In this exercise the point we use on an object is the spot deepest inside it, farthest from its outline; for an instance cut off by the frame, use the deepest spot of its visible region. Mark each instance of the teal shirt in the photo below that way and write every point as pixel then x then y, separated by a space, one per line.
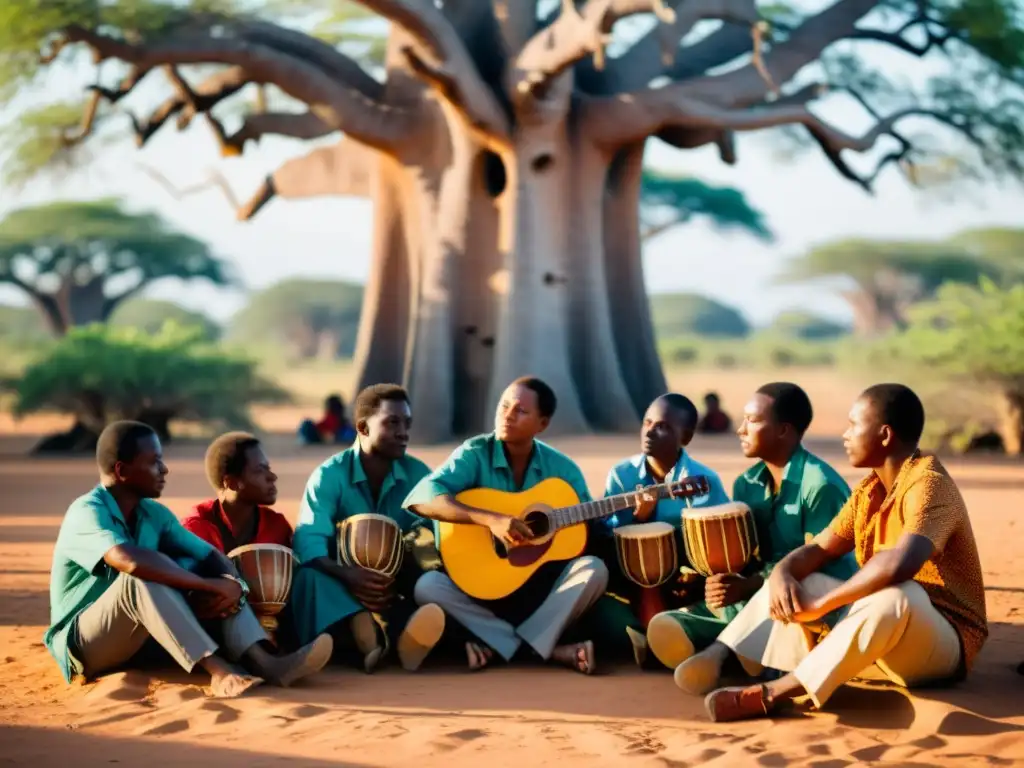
pixel 480 462
pixel 627 475
pixel 92 526
pixel 810 496
pixel 339 489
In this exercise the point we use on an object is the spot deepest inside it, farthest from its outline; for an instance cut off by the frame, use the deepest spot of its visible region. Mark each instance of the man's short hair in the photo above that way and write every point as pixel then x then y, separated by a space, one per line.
pixel 119 441
pixel 369 399
pixel 682 405
pixel 790 404
pixel 546 400
pixel 226 457
pixel 900 408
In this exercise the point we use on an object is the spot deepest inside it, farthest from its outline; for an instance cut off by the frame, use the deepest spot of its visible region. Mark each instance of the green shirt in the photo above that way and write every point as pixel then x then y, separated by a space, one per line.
pixel 480 462
pixel 339 489
pixel 811 495
pixel 92 526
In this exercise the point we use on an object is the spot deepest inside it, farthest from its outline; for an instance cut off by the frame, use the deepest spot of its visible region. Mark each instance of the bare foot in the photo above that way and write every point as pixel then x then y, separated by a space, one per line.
pixel 232 685
pixel 579 657
pixel 478 656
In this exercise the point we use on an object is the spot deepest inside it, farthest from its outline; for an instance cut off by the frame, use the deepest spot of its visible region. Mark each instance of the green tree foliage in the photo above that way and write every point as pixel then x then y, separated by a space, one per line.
pixel 308 318
pixel 806 326
pixel 690 314
pixel 974 336
pixel 101 374
pixel 888 276
pixel 150 315
pixel 668 200
pixel 77 261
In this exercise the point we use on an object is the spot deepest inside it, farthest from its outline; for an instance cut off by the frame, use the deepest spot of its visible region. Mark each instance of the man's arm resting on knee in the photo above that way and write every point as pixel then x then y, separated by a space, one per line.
pixel 884 569
pixel 150 565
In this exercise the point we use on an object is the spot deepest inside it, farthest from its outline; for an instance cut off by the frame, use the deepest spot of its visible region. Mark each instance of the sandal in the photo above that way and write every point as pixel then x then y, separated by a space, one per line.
pixel 478 656
pixel 579 657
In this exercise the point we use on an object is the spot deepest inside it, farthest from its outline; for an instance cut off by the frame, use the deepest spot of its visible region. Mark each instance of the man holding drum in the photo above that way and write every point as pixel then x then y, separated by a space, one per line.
pixel 667 429
pixel 792 494
pixel 372 477
pixel 117 582
pixel 913 614
pixel 512 459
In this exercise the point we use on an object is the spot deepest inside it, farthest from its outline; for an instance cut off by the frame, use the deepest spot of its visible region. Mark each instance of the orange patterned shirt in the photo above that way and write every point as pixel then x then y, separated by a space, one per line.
pixel 924 501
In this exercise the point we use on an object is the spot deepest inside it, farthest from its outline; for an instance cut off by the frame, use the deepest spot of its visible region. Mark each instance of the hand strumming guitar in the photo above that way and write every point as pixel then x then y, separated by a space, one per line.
pixel 510 530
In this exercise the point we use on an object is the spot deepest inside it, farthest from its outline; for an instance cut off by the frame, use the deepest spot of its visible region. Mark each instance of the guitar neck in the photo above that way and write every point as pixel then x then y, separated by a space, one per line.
pixel 598 508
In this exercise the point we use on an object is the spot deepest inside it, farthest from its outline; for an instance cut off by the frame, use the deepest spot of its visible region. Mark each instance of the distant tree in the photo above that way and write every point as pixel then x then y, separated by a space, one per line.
pixel 150 315
pixel 889 276
pixel 77 261
pixel 310 318
pixel 686 314
pixel 973 335
pixel 807 326
pixel 668 200
pixel 99 374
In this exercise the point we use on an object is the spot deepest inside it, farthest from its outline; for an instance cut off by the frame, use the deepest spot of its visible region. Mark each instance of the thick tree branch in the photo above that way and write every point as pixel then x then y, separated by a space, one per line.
pixel 255 126
pixel 341 107
pixel 574 36
pixel 445 60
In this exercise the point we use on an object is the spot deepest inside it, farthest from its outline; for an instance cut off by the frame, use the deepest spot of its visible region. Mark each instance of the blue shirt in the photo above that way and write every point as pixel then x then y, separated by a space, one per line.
pixel 92 526
pixel 627 475
pixel 339 489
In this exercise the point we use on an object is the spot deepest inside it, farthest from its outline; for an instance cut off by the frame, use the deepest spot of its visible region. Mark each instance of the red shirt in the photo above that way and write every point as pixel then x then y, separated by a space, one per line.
pixel 272 527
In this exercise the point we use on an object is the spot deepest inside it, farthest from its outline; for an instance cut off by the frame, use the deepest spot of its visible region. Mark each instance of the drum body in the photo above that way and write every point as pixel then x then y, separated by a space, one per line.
pixel 720 539
pixel 267 569
pixel 371 541
pixel 646 553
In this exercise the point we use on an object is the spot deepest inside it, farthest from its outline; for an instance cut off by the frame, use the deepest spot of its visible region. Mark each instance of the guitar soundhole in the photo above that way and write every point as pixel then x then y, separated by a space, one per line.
pixel 539 523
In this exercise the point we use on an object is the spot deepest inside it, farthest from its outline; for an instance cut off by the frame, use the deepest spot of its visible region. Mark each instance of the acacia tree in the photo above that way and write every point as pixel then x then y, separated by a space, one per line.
pixel 889 276
pixel 507 152
pixel 78 262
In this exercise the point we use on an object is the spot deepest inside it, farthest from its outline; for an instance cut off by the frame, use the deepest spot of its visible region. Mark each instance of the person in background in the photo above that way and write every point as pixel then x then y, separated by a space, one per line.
pixel 334 427
pixel 715 421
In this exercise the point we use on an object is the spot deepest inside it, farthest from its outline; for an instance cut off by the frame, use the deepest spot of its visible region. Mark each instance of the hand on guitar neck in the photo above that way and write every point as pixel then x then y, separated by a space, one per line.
pixel 646 503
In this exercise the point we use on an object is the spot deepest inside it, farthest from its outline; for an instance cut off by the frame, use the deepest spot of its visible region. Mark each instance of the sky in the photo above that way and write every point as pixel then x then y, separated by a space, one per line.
pixel 805 201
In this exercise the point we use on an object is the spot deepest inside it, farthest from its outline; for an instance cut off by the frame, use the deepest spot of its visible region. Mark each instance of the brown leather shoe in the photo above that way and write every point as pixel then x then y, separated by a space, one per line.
pixel 737 703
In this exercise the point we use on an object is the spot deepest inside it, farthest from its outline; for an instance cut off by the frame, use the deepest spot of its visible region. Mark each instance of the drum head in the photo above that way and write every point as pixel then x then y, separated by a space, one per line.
pixel 368 516
pixel 732 509
pixel 643 530
pixel 260 548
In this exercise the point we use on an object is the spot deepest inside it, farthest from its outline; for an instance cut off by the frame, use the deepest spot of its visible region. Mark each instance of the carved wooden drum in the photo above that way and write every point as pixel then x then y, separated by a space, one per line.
pixel 647 556
pixel 371 541
pixel 720 539
pixel 267 570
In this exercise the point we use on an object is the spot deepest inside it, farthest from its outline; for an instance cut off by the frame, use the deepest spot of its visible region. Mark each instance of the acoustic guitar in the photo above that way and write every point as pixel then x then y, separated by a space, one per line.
pixel 484 567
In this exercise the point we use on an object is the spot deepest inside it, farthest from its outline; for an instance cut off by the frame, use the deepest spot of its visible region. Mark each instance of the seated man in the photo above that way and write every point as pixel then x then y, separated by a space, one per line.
pixel 667 429
pixel 915 612
pixel 373 476
pixel 334 427
pixel 115 583
pixel 715 421
pixel 512 459
pixel 240 474
pixel 792 494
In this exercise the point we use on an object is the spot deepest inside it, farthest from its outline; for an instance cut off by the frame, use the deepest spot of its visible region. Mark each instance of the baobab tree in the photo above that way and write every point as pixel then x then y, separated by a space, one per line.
pixel 505 149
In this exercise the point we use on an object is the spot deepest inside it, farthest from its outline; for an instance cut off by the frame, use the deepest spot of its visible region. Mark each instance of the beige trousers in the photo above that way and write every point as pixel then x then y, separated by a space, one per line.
pixel 895 634
pixel 114 628
pixel 582 582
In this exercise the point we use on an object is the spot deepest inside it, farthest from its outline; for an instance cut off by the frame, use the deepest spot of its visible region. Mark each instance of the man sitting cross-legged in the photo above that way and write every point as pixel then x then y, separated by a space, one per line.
pixel 914 612
pixel 512 459
pixel 115 582
pixel 373 476
pixel 793 495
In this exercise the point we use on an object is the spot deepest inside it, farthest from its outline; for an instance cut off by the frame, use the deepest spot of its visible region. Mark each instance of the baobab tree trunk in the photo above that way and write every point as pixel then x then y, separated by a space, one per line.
pixel 1011 421
pixel 607 402
pixel 627 295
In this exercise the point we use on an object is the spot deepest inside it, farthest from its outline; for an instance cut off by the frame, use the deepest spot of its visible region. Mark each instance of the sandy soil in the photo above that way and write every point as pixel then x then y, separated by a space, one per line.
pixel 445 716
